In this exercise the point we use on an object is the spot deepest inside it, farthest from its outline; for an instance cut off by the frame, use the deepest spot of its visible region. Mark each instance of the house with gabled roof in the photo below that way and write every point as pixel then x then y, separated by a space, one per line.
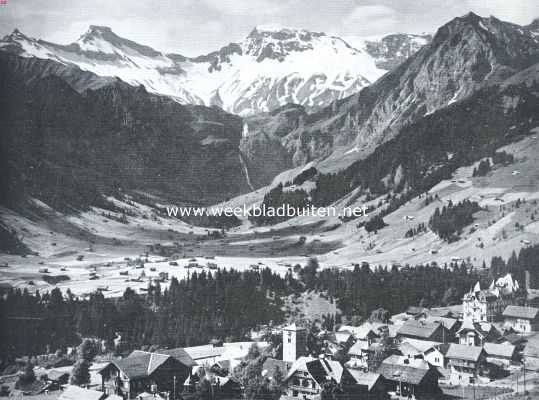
pixel 373 384
pixel 307 377
pixel 432 352
pixel 144 371
pixel 409 377
pixel 521 319
pixel 477 333
pixel 452 324
pixel 423 330
pixel 361 355
pixel 465 362
pixel 502 354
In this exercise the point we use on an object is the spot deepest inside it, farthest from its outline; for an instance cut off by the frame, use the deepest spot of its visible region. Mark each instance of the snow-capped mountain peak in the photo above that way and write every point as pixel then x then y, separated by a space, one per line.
pixel 102 39
pixel 271 67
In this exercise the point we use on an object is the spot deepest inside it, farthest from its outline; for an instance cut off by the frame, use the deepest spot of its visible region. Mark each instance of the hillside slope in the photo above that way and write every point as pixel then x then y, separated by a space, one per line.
pixel 466 54
pixel 69 148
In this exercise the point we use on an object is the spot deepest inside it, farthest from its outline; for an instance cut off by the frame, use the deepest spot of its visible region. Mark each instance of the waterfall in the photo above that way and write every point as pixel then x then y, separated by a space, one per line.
pixel 246 172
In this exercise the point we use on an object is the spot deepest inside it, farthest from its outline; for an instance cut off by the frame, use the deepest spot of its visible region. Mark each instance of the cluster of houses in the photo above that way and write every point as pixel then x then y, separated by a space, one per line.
pixel 415 352
pixel 408 356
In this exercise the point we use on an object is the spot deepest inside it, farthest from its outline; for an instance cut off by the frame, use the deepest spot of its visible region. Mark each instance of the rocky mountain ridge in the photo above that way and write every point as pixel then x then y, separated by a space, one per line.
pixel 268 69
pixel 465 55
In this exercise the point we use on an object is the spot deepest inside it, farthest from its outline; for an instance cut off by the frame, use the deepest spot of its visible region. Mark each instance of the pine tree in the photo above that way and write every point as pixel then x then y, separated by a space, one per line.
pixel 80 374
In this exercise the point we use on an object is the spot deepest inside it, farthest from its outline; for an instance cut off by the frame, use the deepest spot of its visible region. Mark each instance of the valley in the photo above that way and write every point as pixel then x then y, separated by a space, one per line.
pixel 109 291
pixel 110 248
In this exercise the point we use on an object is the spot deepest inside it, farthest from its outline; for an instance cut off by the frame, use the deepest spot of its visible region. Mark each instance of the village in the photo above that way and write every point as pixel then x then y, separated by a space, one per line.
pixel 485 348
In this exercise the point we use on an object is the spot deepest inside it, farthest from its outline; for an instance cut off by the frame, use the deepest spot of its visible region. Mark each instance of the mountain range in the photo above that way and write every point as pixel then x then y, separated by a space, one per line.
pixel 465 55
pixel 271 67
pixel 74 138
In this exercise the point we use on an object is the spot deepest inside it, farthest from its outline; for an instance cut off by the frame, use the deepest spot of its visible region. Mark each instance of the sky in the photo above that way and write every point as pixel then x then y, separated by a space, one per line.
pixel 194 27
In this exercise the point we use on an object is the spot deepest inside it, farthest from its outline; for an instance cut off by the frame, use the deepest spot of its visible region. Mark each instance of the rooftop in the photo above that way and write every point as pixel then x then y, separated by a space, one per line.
pixel 521 312
pixel 78 393
pixel 368 379
pixel 141 363
pixel 179 354
pixel 293 327
pixel 421 329
pixel 395 368
pixel 464 352
pixel 499 350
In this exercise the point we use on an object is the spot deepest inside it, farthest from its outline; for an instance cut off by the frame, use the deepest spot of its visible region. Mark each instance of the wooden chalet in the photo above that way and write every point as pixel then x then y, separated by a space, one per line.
pixel 146 372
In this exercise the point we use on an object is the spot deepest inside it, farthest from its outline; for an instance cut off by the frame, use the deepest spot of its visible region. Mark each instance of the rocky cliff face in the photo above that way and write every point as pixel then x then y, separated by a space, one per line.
pixel 466 54
pixel 72 148
pixel 392 50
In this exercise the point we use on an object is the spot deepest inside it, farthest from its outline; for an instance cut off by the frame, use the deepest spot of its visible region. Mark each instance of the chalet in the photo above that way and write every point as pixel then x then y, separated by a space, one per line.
pixel 361 355
pixel 144 372
pixel 488 304
pixel 451 324
pixel 435 355
pixel 521 319
pixel 432 352
pixel 78 393
pixel 308 375
pixel 477 333
pixel 465 362
pixel 410 377
pixel 373 384
pixel 179 354
pixel 500 354
pixel 57 377
pixel 206 354
pixel 423 330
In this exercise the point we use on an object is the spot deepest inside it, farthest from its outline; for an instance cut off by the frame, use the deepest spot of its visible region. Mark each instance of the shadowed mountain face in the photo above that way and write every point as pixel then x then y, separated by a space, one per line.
pixel 69 148
pixel 73 132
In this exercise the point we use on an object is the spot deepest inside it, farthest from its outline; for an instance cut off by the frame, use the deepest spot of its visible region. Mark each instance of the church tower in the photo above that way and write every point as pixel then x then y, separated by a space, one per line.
pixel 294 342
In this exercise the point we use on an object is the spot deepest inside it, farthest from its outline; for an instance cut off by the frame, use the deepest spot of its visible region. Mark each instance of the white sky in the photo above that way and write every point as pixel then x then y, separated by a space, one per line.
pixel 193 27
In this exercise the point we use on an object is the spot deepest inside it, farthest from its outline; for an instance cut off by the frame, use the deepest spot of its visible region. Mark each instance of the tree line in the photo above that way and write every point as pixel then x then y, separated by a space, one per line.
pixel 226 304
